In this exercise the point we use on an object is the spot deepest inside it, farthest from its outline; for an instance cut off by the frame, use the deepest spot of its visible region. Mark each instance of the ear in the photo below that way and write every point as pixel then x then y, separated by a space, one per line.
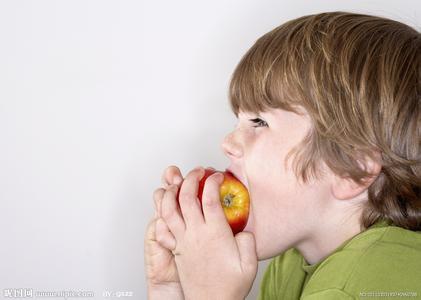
pixel 344 188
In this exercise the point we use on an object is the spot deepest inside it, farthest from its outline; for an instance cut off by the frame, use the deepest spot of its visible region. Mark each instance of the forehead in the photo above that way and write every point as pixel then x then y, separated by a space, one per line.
pixel 274 113
pixel 242 114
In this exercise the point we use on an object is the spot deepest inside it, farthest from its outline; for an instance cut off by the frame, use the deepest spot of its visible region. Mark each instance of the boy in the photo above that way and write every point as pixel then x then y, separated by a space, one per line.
pixel 328 145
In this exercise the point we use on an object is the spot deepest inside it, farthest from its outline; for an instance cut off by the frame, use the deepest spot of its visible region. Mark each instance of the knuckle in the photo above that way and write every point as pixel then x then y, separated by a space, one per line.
pixel 211 202
pixel 150 226
pixel 172 188
pixel 187 197
pixel 158 193
pixel 168 214
pixel 159 237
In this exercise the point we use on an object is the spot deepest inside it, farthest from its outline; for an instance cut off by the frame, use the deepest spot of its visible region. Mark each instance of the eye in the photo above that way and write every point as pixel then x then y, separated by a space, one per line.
pixel 259 122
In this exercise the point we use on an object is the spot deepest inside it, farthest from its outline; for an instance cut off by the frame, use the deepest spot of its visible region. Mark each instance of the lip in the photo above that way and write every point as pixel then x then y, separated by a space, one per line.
pixel 238 176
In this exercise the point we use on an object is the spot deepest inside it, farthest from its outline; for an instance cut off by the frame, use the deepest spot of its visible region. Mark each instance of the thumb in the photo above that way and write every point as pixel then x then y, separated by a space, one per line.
pixel 248 255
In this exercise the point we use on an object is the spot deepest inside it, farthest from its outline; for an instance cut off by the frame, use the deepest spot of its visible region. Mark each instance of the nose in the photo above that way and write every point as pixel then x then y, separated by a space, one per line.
pixel 232 146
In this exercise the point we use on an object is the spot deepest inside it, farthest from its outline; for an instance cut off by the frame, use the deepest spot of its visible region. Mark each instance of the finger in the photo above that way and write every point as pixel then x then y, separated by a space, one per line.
pixel 189 202
pixel 247 247
pixel 212 208
pixel 164 236
pixel 150 231
pixel 158 194
pixel 171 213
pixel 171 175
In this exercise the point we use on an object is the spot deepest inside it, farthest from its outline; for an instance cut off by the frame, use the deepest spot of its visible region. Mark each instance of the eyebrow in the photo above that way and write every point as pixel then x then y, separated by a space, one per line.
pixel 255 120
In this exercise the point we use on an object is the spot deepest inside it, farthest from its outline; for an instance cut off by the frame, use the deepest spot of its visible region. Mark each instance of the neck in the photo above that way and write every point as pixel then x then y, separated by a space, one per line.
pixel 327 238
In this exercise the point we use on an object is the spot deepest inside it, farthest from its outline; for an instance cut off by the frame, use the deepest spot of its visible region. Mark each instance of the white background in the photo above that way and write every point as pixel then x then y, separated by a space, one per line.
pixel 96 99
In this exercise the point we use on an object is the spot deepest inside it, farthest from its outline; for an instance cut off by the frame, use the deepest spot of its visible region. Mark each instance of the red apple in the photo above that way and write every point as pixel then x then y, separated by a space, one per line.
pixel 234 198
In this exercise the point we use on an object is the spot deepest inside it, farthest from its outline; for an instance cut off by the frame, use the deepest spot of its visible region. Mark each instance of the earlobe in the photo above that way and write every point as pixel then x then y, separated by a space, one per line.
pixel 344 188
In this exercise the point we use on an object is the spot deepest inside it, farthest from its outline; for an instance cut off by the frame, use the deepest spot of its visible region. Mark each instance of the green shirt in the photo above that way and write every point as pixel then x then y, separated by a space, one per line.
pixel 382 262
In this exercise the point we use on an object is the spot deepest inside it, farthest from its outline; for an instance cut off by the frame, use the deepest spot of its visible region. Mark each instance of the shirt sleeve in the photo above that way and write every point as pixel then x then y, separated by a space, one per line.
pixel 330 294
pixel 267 288
pixel 283 278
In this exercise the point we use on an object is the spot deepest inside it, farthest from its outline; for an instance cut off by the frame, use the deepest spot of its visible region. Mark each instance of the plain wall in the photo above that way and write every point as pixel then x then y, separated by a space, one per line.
pixel 96 99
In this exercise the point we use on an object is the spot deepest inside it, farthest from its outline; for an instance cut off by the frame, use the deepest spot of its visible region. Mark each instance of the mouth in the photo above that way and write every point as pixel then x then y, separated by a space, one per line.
pixel 249 226
pixel 239 176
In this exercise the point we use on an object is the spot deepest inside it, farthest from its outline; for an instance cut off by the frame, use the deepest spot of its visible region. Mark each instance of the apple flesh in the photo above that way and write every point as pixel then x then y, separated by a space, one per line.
pixel 234 199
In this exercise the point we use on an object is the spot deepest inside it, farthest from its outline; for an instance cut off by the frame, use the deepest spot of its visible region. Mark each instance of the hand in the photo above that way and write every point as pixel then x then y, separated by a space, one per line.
pixel 211 262
pixel 161 271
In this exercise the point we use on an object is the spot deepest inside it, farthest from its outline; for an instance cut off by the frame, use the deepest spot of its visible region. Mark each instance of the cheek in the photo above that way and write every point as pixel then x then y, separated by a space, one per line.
pixel 273 193
pixel 272 185
pixel 265 166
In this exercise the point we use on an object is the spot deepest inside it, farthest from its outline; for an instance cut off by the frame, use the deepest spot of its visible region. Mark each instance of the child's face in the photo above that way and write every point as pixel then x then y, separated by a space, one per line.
pixel 283 210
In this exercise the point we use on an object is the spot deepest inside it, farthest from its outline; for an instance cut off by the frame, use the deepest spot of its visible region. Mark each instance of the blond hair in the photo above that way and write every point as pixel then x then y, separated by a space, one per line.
pixel 359 79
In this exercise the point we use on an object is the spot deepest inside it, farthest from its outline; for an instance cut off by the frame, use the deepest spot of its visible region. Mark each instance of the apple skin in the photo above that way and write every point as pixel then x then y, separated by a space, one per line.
pixel 234 199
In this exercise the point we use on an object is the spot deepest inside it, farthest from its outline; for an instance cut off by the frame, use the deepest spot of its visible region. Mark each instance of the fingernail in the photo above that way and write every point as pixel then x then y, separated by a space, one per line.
pixel 219 177
pixel 201 170
pixel 178 180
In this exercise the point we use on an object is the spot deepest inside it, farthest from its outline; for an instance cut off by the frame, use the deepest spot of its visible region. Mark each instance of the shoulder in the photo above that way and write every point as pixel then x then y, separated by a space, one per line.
pixel 386 258
pixel 329 294
pixel 393 261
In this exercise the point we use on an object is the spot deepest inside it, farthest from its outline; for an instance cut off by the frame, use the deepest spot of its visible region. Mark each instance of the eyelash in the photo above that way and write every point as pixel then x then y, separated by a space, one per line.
pixel 259 122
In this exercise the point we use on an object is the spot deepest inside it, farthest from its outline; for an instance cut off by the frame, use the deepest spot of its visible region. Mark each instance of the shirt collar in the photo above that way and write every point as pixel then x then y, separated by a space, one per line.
pixel 309 269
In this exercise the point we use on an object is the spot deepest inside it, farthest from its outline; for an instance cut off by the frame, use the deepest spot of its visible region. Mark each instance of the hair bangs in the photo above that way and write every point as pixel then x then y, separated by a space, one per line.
pixel 260 80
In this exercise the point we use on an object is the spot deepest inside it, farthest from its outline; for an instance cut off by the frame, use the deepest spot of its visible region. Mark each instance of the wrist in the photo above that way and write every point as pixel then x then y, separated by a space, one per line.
pixel 202 295
pixel 206 296
pixel 166 291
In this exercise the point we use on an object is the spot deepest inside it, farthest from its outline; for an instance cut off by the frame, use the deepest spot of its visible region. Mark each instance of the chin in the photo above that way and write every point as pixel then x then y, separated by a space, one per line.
pixel 267 247
pixel 263 254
